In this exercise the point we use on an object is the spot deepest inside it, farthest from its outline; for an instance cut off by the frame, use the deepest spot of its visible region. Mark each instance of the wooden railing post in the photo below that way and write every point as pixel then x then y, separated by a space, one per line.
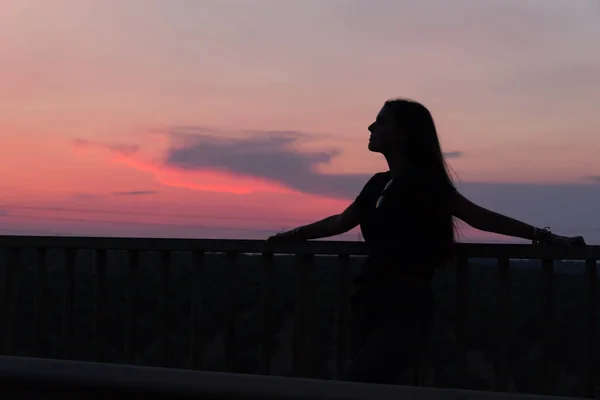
pixel 99 304
pixel 548 326
pixel 69 300
pixel 10 299
pixel 131 308
pixel 342 326
pixel 267 315
pixel 163 309
pixel 39 299
pixel 4 294
pixel 462 318
pixel 591 379
pixel 503 313
pixel 231 310
pixel 196 329
pixel 309 316
pixel 303 316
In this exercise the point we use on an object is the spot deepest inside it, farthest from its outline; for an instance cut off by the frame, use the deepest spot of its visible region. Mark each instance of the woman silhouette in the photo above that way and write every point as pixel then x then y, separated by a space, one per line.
pixel 406 218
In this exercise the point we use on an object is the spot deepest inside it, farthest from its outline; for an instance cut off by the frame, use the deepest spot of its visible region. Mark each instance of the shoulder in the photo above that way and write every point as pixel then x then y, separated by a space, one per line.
pixel 377 180
pixel 372 187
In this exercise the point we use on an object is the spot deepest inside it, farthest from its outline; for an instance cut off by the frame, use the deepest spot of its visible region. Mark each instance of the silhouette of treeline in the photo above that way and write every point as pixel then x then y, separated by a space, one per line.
pixel 525 328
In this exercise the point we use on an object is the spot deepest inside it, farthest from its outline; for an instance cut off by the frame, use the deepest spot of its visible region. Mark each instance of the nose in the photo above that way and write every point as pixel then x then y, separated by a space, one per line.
pixel 371 127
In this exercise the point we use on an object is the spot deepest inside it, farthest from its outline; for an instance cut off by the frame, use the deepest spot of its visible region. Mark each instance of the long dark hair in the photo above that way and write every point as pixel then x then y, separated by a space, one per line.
pixel 423 153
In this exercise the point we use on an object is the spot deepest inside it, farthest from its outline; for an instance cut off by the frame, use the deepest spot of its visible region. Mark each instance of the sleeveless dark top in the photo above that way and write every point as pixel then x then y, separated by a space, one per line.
pixel 409 234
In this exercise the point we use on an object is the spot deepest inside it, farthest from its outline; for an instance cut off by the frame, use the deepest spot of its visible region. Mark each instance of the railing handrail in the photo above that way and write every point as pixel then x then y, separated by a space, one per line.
pixel 316 247
pixel 21 375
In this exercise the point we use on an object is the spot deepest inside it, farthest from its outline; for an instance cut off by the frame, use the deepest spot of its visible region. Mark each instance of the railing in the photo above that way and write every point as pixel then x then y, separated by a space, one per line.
pixel 304 304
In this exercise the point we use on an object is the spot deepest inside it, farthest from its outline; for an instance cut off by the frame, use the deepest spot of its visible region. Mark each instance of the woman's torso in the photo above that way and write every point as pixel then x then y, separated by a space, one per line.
pixel 407 233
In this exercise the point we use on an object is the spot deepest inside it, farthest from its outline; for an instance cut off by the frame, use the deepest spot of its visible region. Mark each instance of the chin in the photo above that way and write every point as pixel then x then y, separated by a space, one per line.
pixel 373 147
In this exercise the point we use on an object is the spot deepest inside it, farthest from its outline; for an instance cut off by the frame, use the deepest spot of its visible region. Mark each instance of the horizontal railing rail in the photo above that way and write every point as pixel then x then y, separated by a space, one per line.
pixel 42 379
pixel 314 247
pixel 304 313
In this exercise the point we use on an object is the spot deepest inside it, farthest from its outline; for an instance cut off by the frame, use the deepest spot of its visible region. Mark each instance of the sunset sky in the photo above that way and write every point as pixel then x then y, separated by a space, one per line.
pixel 239 118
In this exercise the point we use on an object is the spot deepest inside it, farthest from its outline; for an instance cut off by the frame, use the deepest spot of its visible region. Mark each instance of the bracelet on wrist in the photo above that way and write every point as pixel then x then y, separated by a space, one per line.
pixel 296 233
pixel 540 236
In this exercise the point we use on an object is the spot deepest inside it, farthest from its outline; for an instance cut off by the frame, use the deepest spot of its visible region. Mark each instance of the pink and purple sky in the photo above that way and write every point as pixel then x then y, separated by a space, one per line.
pixel 235 119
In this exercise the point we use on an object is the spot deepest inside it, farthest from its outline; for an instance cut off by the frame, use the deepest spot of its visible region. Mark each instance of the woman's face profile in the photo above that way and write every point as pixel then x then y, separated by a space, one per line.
pixel 385 132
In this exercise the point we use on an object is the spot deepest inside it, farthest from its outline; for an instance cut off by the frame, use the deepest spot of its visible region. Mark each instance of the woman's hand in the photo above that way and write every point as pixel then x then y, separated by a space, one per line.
pixel 287 236
pixel 565 241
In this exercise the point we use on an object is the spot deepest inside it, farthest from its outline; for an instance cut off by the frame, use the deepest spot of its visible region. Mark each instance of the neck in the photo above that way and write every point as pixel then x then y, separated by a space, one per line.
pixel 396 164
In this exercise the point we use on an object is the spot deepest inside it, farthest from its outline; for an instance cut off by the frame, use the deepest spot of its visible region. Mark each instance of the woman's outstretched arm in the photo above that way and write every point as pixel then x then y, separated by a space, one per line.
pixel 489 221
pixel 330 226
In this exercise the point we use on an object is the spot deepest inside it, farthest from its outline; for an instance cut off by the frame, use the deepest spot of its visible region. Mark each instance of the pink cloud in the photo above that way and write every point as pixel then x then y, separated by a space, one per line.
pixel 199 180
